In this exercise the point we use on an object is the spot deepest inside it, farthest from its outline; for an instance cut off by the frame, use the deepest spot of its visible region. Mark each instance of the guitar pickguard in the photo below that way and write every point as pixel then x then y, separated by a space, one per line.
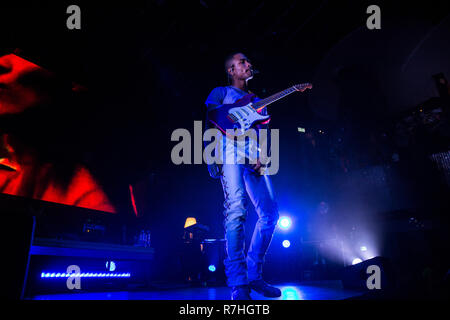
pixel 246 116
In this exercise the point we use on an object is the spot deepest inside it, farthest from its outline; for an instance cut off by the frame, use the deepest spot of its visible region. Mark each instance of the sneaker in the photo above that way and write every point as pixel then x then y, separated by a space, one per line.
pixel 241 293
pixel 265 289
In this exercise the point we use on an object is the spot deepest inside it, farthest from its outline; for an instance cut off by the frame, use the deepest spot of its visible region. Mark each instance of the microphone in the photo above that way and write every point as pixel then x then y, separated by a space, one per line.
pixel 254 71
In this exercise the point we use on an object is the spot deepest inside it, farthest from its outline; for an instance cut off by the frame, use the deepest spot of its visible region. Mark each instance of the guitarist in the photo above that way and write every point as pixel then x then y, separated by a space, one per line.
pixel 241 182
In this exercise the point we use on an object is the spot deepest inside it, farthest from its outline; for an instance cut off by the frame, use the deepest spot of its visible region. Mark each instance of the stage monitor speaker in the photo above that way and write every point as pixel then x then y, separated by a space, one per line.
pixel 375 275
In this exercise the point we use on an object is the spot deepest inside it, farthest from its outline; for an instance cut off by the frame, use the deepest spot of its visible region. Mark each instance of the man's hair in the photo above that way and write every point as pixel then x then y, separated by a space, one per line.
pixel 229 58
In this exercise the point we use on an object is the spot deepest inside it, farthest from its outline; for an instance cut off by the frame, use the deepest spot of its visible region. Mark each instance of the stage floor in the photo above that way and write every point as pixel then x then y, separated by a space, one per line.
pixel 330 290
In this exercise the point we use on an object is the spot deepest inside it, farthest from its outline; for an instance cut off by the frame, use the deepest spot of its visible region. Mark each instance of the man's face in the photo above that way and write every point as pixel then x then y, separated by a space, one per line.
pixel 240 67
pixel 23 84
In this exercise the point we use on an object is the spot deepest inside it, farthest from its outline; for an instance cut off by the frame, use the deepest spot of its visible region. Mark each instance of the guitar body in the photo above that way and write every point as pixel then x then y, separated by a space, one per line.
pixel 239 116
pixel 244 114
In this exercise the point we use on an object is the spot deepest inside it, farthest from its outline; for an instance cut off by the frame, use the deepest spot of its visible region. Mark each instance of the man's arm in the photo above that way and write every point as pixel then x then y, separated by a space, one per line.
pixel 214 101
pixel 215 98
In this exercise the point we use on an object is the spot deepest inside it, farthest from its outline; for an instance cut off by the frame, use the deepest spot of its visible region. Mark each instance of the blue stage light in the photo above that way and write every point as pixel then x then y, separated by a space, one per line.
pixel 291 293
pixel 84 275
pixel 356 261
pixel 110 265
pixel 212 268
pixel 284 223
pixel 363 248
pixel 286 243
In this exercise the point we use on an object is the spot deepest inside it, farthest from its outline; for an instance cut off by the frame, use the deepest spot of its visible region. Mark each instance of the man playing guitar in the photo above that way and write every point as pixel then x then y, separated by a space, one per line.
pixel 240 182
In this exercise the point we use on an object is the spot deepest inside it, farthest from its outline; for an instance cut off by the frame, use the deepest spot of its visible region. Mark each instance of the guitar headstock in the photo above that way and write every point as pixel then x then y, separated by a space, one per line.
pixel 302 87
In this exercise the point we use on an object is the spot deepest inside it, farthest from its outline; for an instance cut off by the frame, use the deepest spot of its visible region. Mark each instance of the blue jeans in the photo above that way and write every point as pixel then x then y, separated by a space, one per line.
pixel 238 181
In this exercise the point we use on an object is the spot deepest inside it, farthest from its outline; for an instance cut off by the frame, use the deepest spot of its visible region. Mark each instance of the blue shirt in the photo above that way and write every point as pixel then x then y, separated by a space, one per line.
pixel 242 149
pixel 223 95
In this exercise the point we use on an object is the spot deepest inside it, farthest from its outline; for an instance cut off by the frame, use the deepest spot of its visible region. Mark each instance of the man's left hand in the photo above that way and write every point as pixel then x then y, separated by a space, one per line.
pixel 257 167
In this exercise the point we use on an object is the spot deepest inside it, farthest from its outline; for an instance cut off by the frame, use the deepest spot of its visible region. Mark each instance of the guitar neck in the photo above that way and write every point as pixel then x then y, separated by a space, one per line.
pixel 261 104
